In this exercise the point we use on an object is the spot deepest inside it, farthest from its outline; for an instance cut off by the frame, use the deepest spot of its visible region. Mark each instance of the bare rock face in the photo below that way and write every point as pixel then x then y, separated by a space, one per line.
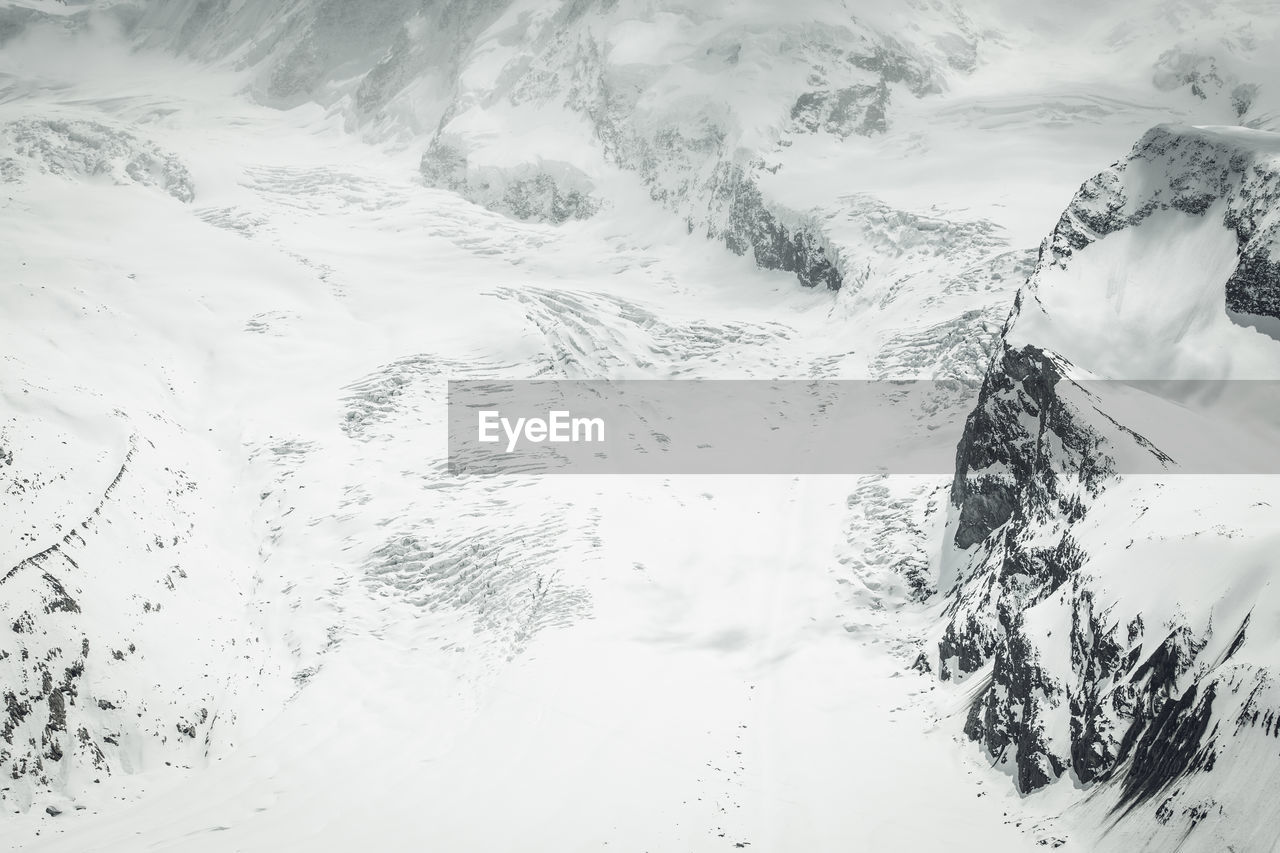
pixel 1016 442
pixel 750 226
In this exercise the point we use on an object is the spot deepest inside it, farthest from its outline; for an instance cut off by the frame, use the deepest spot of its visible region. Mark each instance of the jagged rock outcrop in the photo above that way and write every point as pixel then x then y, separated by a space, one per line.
pixel 1017 444
pixel 750 226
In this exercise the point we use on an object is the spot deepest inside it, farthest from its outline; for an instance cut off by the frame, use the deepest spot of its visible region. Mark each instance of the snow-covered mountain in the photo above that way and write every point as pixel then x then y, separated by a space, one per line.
pixel 247 244
pixel 735 115
pixel 1119 624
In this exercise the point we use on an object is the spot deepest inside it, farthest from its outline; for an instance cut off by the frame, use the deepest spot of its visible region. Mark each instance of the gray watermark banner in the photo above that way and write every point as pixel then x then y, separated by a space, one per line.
pixel 847 427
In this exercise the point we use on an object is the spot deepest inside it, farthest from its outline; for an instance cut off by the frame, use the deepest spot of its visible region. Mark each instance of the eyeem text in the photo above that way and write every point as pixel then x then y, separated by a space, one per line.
pixel 558 426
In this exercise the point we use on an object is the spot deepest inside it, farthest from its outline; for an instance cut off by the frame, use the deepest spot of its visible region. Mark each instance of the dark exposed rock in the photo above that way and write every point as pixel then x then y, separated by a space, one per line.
pixel 51 722
pixel 1254 287
pixel 1031 460
pixel 859 109
pixel 1200 75
pixel 893 65
pixel 444 166
pixel 1169 746
pixel 752 227
pixel 1097 654
pixel 1004 468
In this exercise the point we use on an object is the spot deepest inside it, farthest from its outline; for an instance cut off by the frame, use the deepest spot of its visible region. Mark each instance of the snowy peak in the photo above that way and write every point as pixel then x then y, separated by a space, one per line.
pixel 1114 620
pixel 1167 264
pixel 1190 169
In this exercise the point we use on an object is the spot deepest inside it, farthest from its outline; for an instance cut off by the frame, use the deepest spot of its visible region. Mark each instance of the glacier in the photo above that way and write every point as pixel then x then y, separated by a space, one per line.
pixel 246 606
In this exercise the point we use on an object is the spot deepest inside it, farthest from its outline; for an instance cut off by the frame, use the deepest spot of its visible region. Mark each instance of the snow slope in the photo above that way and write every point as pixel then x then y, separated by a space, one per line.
pixel 428 661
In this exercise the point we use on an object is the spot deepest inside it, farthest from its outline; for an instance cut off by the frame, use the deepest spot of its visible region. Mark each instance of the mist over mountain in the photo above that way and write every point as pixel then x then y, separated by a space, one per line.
pixel 248 606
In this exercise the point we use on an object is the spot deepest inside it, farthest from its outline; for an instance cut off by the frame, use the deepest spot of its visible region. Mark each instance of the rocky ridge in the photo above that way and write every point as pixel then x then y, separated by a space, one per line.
pixel 1077 678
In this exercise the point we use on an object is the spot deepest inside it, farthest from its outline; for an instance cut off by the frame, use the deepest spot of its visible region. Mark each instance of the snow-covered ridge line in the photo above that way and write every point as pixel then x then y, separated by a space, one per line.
pixel 573 103
pixel 41 556
pixel 1115 663
pixel 1188 169
pixel 550 114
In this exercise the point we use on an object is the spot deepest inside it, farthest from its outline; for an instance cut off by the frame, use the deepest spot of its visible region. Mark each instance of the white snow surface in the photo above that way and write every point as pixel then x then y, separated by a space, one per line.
pixel 390 656
pixel 386 656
